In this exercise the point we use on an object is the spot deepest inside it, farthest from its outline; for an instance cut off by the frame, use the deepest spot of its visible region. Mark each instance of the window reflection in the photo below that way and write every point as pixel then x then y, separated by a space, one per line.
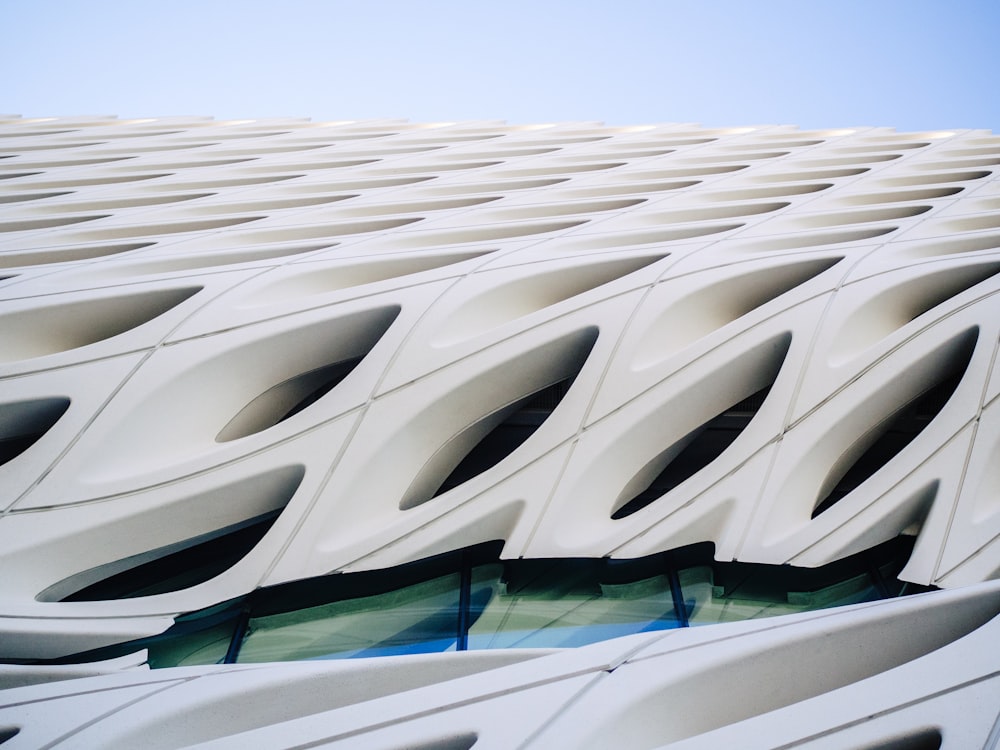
pixel 470 599
pixel 560 603
pixel 418 619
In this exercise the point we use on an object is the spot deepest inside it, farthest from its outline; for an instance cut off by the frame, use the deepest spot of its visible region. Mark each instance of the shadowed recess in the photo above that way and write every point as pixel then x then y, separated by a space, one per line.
pixel 513 401
pixel 895 306
pixel 470 600
pixel 934 179
pixel 35 224
pixel 810 174
pixel 746 381
pixel 194 560
pixel 859 216
pixel 174 571
pixel 673 174
pixel 329 279
pixel 713 213
pixel 921 739
pixel 175 264
pixel 899 196
pixel 463 741
pixel 737 157
pixel 22 197
pixel 901 146
pixel 844 161
pixel 291 396
pixel 501 186
pixel 549 210
pixel 800 240
pixel 890 435
pixel 521 296
pixel 707 445
pixel 490 233
pixel 22 423
pixel 116 203
pixel 59 327
pixel 65 254
pixel 709 308
pixel 85 181
pixel 526 417
pixel 646 237
pixel 762 193
pixel 173 227
pixel 983 161
pixel 601 191
pixel 316 231
pixel 227 182
pixel 265 205
pixel 971 244
pixel 423 206
pixel 557 169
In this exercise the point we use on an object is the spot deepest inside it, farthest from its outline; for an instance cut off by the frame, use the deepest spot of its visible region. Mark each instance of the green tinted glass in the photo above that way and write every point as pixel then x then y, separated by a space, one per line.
pixel 564 603
pixel 418 618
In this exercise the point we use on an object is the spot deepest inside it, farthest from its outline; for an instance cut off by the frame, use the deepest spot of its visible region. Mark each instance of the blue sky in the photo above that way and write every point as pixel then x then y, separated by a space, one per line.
pixel 911 64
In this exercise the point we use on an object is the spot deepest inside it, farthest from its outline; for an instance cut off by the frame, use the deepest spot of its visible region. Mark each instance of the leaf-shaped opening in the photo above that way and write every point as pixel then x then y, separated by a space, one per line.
pixel 29 225
pixel 60 327
pixel 893 307
pixel 194 560
pixel 22 423
pixel 859 216
pixel 714 213
pixel 329 279
pixel 522 296
pixel 743 385
pixel 885 440
pixel 921 739
pixel 293 395
pixel 524 417
pixel 182 569
pixel 62 255
pixel 708 309
pixel 802 240
pixel 697 450
pixel 514 401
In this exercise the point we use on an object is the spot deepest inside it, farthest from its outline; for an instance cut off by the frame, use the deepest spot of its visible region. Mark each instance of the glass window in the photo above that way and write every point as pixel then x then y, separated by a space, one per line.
pixel 208 646
pixel 470 599
pixel 731 592
pixel 561 603
pixel 198 638
pixel 420 618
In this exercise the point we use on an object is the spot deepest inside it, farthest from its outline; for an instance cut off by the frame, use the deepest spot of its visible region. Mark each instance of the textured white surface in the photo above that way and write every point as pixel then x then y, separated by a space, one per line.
pixel 169 277
pixel 911 671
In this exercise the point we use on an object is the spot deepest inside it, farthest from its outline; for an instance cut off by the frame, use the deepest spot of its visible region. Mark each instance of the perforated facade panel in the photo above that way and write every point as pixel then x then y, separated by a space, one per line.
pixel 357 345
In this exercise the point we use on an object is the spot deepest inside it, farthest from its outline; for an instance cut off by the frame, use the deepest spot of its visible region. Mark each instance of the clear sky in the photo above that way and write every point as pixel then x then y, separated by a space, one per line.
pixel 911 64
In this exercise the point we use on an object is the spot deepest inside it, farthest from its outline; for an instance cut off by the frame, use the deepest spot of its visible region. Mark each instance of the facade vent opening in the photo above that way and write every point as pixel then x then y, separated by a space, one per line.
pixel 292 395
pixel 22 423
pixel 248 509
pixel 513 401
pixel 696 428
pixel 886 439
pixel 700 450
pixel 60 327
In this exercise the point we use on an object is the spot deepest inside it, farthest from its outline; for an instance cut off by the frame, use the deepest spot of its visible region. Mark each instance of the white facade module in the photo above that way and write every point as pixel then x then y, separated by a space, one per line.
pixel 472 424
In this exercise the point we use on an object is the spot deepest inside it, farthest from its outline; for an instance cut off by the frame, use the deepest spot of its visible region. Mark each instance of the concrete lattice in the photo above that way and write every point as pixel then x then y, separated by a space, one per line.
pixel 204 324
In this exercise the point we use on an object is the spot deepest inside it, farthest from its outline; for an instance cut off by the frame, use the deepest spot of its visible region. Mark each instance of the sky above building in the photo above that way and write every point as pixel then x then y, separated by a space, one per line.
pixel 910 64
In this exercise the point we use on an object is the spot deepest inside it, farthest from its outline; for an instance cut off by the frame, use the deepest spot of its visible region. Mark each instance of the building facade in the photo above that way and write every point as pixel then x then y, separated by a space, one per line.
pixel 456 435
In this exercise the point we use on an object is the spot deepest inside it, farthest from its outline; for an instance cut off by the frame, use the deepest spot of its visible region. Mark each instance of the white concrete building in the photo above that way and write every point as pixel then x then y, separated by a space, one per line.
pixel 383 435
